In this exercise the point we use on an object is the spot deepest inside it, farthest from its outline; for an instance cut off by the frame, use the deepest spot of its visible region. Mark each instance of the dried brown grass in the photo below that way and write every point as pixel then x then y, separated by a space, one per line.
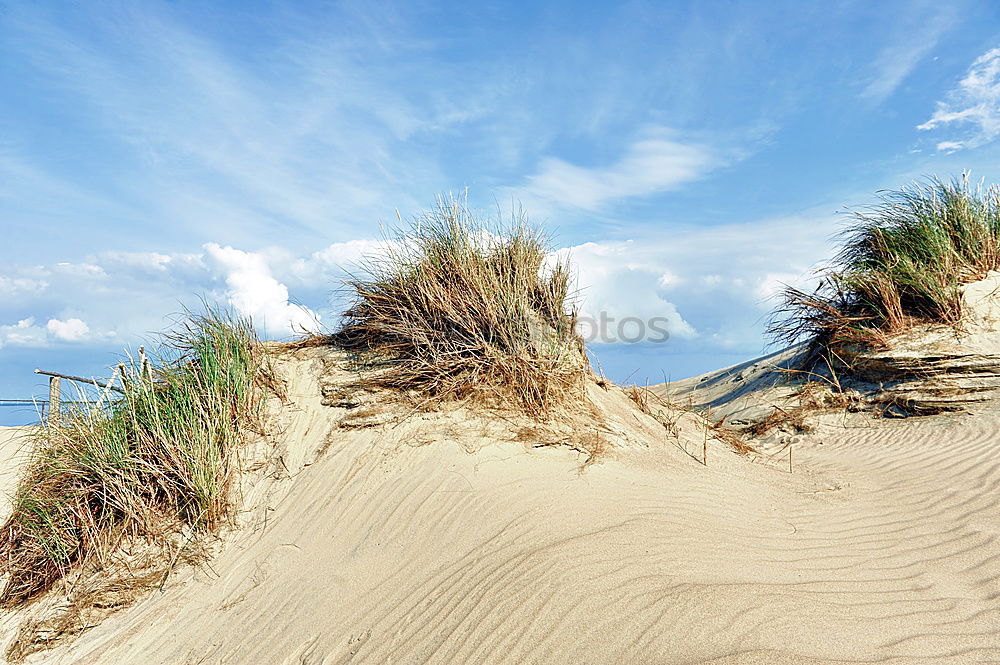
pixel 668 414
pixel 462 308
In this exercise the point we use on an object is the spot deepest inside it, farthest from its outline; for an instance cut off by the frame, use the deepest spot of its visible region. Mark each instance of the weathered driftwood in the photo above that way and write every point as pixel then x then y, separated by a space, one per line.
pixel 80 379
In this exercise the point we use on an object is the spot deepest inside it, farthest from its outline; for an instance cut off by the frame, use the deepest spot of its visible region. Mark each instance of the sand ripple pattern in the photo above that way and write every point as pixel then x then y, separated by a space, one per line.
pixel 880 547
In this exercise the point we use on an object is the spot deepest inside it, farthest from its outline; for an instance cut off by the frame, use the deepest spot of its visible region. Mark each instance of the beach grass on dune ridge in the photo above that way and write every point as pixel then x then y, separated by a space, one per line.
pixel 462 307
pixel 159 459
pixel 902 262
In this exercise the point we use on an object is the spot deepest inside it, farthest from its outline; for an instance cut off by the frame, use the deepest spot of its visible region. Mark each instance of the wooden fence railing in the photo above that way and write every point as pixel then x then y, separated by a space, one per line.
pixel 55 385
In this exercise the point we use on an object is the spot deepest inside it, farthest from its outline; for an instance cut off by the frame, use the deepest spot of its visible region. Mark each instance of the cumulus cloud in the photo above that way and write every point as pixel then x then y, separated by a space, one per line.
pixel 616 289
pixel 974 105
pixel 22 333
pixel 330 264
pixel 70 330
pixel 656 163
pixel 27 333
pixel 708 286
pixel 713 285
pixel 253 291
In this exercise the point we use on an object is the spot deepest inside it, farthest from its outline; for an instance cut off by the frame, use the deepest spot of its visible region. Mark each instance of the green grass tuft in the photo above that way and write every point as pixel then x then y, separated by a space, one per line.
pixel 903 262
pixel 159 459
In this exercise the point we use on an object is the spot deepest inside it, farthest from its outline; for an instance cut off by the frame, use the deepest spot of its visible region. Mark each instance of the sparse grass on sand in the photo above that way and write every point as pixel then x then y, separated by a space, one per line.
pixel 156 461
pixel 903 262
pixel 668 415
pixel 458 307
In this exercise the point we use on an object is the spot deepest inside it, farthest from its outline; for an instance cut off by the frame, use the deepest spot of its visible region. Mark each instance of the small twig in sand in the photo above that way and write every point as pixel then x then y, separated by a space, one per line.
pixel 704 448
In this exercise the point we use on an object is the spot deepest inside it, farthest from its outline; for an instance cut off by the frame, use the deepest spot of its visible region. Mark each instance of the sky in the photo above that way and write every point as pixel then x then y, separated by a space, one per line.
pixel 688 157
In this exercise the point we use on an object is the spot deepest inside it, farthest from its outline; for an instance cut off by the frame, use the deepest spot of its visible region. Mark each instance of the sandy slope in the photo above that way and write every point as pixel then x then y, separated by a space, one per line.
pixel 441 539
pixel 13 450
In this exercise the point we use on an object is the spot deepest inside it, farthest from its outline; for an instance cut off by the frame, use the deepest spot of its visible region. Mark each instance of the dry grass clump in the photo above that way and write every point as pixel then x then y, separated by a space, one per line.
pixel 793 420
pixel 731 438
pixel 87 602
pixel 903 262
pixel 458 307
pixel 159 460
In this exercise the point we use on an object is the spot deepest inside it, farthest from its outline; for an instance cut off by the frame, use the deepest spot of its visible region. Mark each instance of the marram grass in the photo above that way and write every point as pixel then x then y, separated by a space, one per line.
pixel 903 262
pixel 159 459
pixel 459 307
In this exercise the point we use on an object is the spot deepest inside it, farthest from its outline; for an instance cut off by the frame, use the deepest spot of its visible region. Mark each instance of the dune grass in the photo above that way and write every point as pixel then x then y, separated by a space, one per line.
pixel 903 262
pixel 461 307
pixel 158 460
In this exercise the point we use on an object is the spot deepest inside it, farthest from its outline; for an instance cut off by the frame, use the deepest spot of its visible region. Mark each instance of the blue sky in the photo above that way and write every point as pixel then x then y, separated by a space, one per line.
pixel 690 157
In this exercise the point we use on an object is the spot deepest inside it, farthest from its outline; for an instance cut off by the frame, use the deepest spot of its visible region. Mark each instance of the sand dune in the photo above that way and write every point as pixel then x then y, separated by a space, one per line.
pixel 442 538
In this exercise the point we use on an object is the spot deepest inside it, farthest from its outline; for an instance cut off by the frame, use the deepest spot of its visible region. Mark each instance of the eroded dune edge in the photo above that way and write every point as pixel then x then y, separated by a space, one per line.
pixel 387 534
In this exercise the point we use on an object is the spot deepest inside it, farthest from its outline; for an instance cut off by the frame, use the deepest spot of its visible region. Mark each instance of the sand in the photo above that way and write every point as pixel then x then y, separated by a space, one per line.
pixel 438 539
pixel 14 449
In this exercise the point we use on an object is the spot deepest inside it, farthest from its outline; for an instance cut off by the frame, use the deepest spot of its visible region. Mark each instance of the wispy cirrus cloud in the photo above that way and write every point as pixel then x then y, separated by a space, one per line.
pixel 657 162
pixel 918 32
pixel 974 105
pixel 303 140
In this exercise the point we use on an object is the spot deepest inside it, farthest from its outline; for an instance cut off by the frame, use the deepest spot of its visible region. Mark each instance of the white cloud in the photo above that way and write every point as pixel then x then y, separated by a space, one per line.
pixel 253 291
pixel 975 104
pixel 769 285
pixel 949 146
pixel 81 270
pixel 714 285
pixel 70 330
pixel 27 333
pixel 308 141
pixel 12 286
pixel 612 287
pixel 710 284
pixel 330 264
pixel 22 333
pixel 657 163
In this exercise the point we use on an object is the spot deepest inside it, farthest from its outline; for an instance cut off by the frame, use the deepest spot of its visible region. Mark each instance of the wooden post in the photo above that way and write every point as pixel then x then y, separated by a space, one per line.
pixel 54 394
